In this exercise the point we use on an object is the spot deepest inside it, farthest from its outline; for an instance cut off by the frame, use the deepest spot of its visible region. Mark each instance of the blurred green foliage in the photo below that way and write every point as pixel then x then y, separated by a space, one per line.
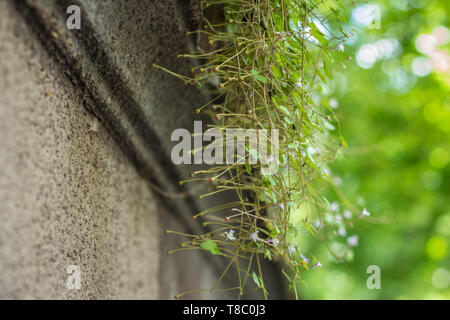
pixel 392 98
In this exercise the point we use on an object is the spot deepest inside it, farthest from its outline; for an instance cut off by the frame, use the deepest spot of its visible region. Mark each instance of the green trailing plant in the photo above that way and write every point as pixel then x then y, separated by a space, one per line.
pixel 270 59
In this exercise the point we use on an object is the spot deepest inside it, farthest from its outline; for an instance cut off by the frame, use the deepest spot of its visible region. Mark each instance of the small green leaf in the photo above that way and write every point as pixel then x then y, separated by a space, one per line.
pixel 247 169
pixel 210 246
pixel 256 279
pixel 327 70
pixel 284 109
pixel 258 76
pixel 328 125
pixel 310 229
pixel 343 142
pixel 317 34
pixel 267 254
pixel 273 233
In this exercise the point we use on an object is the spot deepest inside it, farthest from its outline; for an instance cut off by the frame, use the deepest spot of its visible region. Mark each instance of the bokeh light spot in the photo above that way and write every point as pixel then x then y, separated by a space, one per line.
pixel 439 158
pixel 441 278
pixel 421 66
pixel 436 248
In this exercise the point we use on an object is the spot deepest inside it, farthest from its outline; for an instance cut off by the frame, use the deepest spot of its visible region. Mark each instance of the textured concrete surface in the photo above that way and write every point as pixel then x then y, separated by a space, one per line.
pixel 69 195
pixel 85 123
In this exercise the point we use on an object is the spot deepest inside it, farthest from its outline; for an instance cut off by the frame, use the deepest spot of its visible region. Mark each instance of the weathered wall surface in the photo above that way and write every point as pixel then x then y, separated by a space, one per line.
pixel 68 193
pixel 85 127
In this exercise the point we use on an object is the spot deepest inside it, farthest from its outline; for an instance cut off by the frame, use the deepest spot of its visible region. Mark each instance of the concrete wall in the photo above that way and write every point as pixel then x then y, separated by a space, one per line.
pixel 85 125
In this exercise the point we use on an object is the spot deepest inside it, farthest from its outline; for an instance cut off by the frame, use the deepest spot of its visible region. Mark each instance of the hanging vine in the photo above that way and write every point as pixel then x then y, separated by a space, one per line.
pixel 268 61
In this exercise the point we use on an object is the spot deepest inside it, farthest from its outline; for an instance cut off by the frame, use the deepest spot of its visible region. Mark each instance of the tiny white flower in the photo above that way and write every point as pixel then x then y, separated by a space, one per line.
pixel 333 103
pixel 342 232
pixel 230 235
pixel 318 264
pixel 348 214
pixel 317 224
pixel 254 236
pixel 340 47
pixel 334 206
pixel 353 241
pixel 364 213
pixel 338 218
pixel 291 249
pixel 311 150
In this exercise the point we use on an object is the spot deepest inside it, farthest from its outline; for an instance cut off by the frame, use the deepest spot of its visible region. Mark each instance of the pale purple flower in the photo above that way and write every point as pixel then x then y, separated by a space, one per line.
pixel 317 224
pixel 274 241
pixel 364 213
pixel 318 264
pixel 304 258
pixel 353 241
pixel 230 235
